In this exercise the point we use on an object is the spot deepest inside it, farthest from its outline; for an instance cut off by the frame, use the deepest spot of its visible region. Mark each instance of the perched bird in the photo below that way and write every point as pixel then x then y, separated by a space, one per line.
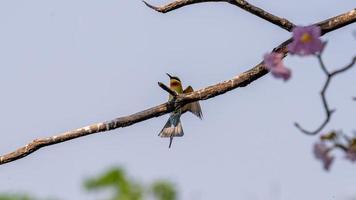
pixel 173 127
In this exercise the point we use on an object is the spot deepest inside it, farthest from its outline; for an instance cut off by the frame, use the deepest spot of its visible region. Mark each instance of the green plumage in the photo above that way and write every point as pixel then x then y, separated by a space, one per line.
pixel 173 127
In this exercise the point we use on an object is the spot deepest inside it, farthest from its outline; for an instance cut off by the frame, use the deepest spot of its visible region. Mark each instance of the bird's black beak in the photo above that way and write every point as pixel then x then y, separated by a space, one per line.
pixel 169 75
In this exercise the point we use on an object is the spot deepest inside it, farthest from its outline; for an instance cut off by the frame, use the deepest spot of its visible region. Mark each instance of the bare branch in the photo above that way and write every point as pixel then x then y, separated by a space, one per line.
pixel 178 4
pixel 338 21
pixel 281 22
pixel 347 67
pixel 322 65
pixel 341 147
pixel 328 112
pixel 241 80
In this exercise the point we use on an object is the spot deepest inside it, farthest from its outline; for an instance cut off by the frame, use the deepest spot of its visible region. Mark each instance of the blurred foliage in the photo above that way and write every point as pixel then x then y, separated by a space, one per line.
pixel 164 190
pixel 15 197
pixel 20 196
pixel 125 188
pixel 121 186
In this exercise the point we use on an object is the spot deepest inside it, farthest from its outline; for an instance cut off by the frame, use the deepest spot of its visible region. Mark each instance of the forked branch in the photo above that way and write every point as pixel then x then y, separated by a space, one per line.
pixel 328 111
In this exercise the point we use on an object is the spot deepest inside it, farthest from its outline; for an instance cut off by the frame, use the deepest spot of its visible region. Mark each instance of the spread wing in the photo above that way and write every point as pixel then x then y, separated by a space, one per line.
pixel 173 127
pixel 193 107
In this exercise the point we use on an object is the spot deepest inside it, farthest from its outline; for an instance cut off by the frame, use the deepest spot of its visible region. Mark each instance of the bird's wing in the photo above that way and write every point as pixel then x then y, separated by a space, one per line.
pixel 193 107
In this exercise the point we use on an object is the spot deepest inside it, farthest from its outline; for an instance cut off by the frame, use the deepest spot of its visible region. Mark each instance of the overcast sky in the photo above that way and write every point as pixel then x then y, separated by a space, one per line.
pixel 66 64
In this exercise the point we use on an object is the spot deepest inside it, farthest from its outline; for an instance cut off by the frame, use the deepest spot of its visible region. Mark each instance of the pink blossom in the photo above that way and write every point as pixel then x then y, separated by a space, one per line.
pixel 306 40
pixel 321 152
pixel 273 62
pixel 351 153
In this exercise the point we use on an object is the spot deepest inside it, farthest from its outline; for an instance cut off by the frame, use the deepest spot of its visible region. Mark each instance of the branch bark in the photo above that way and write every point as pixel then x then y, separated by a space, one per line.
pixel 241 80
pixel 281 22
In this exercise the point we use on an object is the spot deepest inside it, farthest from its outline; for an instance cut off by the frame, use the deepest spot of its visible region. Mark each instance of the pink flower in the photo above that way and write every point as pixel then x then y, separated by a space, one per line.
pixel 306 40
pixel 351 152
pixel 351 155
pixel 273 62
pixel 321 152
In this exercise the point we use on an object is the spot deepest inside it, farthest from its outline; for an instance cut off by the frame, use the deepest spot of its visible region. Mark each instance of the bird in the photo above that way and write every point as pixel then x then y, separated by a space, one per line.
pixel 173 127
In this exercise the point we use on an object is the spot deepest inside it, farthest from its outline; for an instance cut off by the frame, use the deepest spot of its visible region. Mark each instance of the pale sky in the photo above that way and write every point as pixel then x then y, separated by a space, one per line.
pixel 66 64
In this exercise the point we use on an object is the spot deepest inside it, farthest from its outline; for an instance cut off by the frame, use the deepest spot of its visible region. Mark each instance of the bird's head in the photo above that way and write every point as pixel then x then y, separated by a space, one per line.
pixel 174 82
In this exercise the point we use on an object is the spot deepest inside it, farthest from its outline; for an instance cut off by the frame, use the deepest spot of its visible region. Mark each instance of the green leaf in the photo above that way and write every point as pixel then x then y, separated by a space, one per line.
pixel 164 190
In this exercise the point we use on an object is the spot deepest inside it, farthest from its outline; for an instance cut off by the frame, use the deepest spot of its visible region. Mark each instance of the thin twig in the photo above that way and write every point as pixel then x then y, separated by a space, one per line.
pixel 241 80
pixel 281 22
pixel 328 111
pixel 341 147
pixel 347 67
pixel 322 65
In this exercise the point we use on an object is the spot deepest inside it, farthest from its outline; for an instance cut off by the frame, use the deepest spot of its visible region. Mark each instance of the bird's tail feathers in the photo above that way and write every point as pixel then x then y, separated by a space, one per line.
pixel 173 128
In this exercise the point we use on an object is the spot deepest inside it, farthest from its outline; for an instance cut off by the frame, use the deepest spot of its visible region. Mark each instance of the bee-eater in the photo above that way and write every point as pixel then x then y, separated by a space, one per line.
pixel 173 127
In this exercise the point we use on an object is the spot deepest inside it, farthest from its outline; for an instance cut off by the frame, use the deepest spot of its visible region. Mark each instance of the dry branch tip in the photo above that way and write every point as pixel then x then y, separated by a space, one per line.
pixel 167 89
pixel 151 6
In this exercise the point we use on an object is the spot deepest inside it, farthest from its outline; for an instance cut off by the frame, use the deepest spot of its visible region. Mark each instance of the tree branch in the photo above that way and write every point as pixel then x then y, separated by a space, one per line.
pixel 281 22
pixel 241 80
pixel 328 111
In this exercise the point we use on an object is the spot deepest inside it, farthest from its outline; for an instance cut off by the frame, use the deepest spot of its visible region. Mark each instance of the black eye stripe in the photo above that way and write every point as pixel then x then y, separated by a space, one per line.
pixel 175 78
